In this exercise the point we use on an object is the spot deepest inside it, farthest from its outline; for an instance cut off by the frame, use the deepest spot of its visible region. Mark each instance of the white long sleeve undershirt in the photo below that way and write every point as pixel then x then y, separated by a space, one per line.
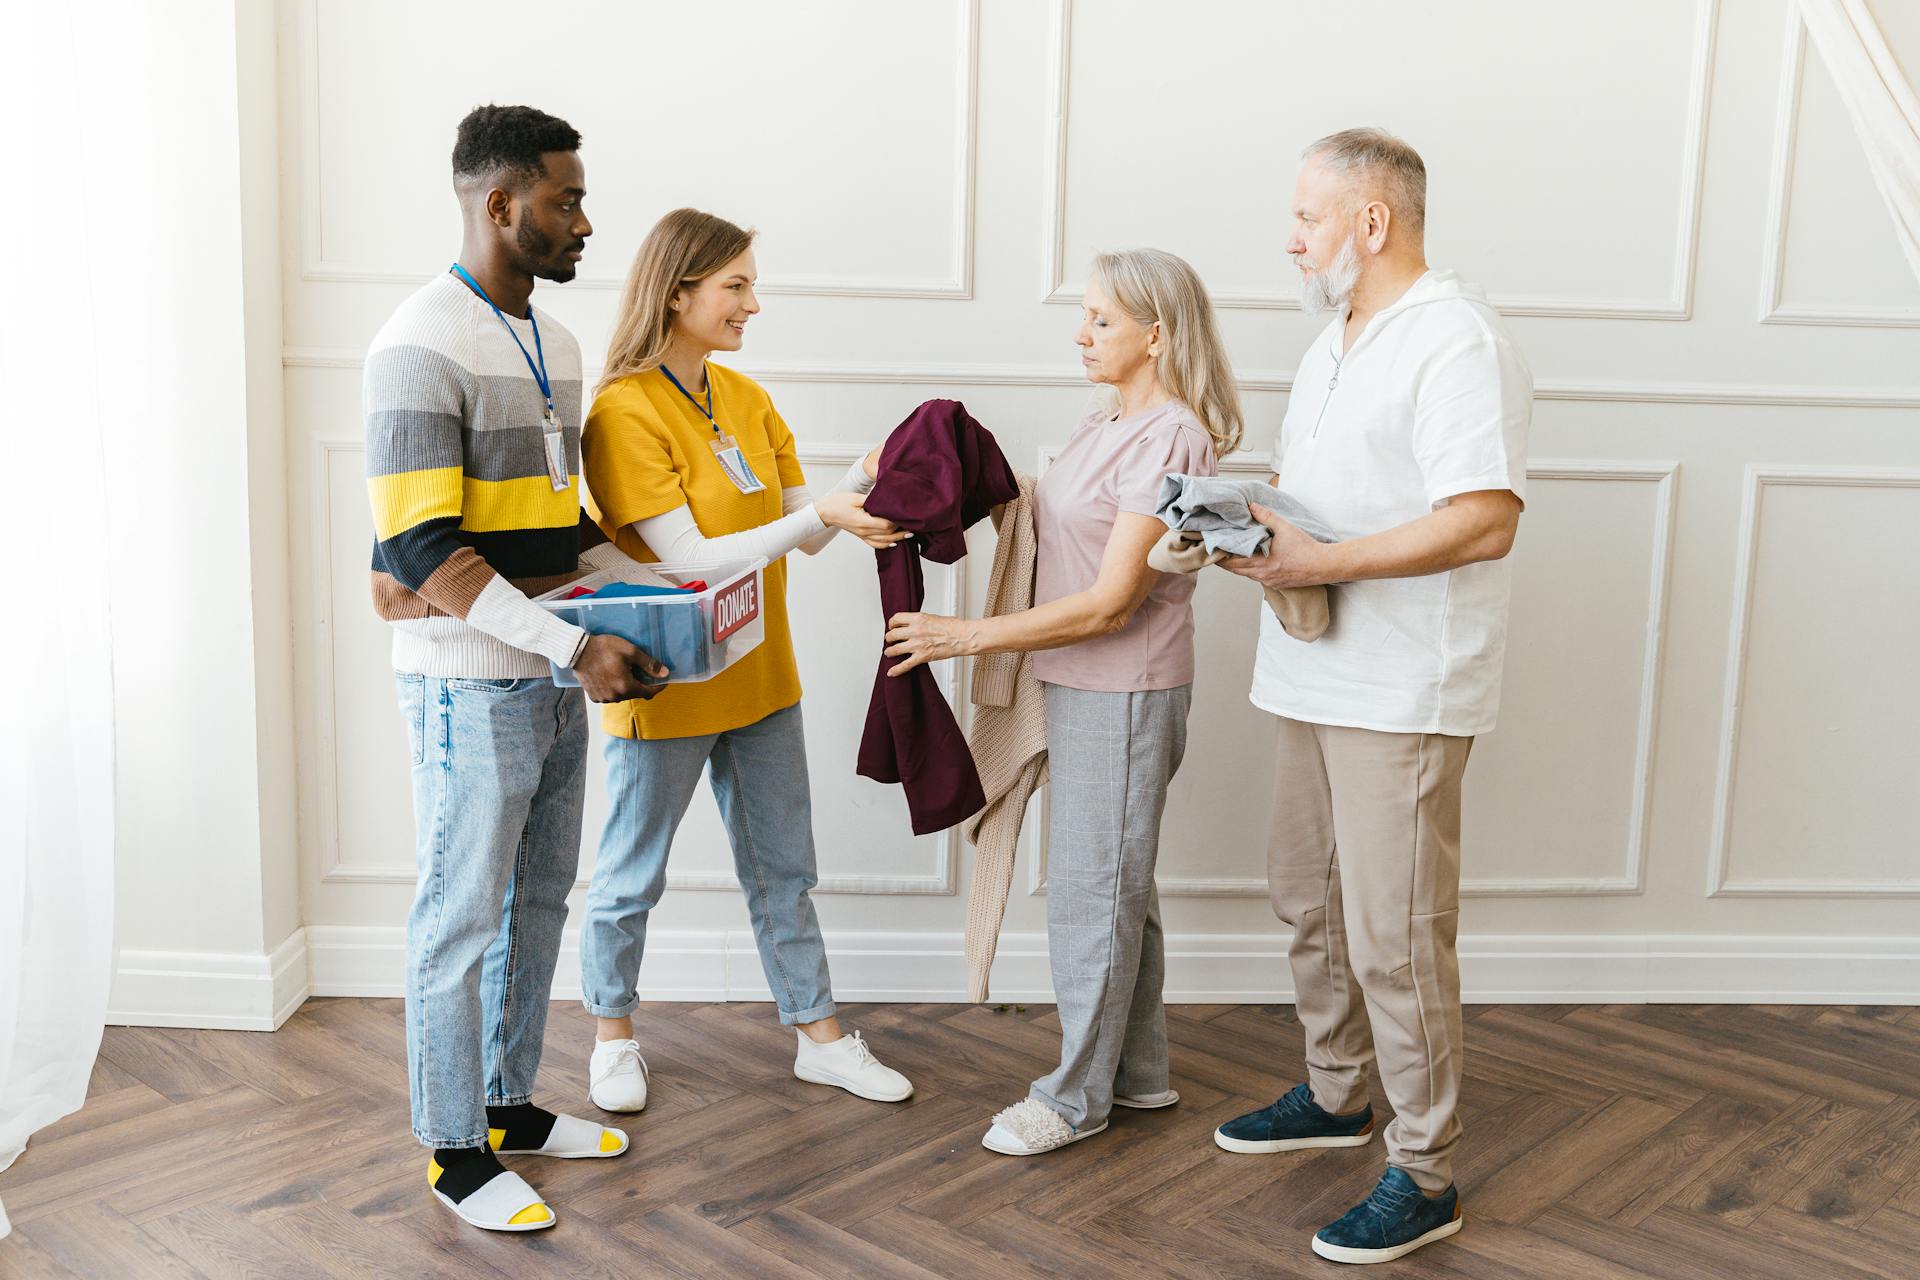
pixel 676 539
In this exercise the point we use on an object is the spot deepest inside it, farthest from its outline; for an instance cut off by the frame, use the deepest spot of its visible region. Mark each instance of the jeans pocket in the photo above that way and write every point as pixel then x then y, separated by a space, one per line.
pixel 413 709
pixel 478 685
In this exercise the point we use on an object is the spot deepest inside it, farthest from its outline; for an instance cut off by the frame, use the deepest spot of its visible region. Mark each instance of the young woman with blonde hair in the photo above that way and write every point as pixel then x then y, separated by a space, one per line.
pixel 688 461
pixel 1112 643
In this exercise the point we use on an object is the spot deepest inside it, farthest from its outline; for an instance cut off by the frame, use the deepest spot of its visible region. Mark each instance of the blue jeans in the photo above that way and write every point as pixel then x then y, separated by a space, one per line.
pixel 759 777
pixel 499 776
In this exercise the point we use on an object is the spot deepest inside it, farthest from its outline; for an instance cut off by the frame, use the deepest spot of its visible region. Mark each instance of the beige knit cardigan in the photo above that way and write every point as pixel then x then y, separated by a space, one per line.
pixel 1009 742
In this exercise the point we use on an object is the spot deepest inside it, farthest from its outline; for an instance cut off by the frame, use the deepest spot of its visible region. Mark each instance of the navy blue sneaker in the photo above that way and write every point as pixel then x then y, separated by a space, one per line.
pixel 1294 1123
pixel 1391 1223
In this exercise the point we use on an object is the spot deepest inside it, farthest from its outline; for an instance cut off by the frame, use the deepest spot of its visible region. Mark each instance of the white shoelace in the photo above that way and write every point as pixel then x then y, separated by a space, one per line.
pixel 862 1054
pixel 629 1049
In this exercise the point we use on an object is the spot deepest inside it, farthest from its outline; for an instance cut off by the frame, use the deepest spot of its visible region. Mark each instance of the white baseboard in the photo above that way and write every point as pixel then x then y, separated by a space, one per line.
pixel 224 991
pixel 252 992
pixel 1224 968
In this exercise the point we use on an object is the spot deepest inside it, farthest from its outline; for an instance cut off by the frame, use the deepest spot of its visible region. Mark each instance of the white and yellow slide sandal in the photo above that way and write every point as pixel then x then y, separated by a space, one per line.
pixel 503 1203
pixel 571 1138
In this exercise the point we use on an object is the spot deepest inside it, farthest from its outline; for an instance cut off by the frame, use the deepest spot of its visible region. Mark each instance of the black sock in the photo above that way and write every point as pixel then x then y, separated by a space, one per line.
pixel 522 1127
pixel 464 1170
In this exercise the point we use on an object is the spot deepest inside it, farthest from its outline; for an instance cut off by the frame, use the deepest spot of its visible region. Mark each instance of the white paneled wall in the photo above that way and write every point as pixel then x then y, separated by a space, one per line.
pixel 1705 780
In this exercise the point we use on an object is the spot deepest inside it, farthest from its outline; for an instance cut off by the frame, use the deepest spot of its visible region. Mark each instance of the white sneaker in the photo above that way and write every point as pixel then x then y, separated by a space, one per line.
pixel 848 1064
pixel 617 1076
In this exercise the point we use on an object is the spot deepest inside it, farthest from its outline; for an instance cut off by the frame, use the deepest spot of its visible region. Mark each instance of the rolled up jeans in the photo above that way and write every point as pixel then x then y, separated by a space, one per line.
pixel 499 777
pixel 759 777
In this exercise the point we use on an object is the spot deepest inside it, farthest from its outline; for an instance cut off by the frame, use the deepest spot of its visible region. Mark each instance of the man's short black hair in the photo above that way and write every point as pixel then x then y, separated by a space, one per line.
pixel 507 142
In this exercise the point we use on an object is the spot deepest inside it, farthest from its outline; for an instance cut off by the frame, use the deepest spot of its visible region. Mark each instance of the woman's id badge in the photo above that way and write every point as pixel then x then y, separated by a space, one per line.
pixel 734 463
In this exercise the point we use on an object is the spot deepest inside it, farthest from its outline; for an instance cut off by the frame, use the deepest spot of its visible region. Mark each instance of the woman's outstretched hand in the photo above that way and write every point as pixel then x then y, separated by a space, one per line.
pixel 921 638
pixel 846 510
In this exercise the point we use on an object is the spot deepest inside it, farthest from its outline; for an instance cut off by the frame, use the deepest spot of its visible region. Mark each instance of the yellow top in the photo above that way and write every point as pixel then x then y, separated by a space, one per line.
pixel 645 450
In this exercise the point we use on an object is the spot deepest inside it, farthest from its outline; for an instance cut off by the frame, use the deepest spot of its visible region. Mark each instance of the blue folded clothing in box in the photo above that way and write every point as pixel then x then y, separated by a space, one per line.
pixel 677 637
pixel 698 619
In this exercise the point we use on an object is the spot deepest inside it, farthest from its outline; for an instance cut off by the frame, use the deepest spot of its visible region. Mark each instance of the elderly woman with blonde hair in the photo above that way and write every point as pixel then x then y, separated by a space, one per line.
pixel 1112 644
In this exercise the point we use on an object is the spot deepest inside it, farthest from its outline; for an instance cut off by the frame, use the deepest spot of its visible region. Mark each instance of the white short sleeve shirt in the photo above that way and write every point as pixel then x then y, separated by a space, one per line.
pixel 1432 400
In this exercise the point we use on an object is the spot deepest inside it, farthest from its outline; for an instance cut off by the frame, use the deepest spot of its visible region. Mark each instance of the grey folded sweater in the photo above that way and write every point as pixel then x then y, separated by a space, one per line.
pixel 1208 520
pixel 1216 508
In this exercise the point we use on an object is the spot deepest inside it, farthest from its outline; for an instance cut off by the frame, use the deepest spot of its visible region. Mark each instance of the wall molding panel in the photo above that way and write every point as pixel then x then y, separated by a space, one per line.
pixel 1676 305
pixel 1722 879
pixel 1632 876
pixel 956 283
pixel 1786 133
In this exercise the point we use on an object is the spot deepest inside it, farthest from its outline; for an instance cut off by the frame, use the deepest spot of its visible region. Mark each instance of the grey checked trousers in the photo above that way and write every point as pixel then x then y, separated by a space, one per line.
pixel 1111 756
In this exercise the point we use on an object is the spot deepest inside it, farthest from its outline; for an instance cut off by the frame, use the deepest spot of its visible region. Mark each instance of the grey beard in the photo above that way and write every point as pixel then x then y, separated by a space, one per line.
pixel 1331 289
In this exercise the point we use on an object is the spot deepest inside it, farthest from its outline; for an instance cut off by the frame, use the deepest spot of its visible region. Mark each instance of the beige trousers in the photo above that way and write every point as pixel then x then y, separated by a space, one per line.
pixel 1364 863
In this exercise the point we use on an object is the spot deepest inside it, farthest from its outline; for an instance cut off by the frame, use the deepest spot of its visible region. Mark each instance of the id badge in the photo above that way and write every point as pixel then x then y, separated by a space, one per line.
pixel 555 441
pixel 735 464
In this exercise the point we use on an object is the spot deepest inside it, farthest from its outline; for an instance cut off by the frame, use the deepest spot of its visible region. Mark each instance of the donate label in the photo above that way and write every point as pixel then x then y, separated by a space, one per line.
pixel 736 606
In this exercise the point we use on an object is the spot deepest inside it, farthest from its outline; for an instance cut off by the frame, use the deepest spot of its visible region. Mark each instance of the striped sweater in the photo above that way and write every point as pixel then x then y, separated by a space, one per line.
pixel 466 524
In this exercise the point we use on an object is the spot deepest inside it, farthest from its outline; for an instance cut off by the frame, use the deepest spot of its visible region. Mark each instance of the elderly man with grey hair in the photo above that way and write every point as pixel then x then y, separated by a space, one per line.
pixel 1407 431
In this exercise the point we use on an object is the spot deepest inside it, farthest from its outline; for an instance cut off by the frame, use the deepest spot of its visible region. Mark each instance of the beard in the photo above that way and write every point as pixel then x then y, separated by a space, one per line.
pixel 542 257
pixel 1331 287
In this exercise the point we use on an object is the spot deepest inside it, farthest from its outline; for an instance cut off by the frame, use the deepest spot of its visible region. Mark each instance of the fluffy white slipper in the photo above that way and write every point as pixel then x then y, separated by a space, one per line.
pixel 1147 1101
pixel 572 1139
pixel 1029 1127
pixel 506 1203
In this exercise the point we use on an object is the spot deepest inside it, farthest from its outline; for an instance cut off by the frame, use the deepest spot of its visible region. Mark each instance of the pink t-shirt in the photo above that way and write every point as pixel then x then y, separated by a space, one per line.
pixel 1110 466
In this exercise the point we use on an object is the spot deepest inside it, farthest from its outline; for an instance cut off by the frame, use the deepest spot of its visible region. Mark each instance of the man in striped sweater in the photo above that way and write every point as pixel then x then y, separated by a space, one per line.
pixel 472 404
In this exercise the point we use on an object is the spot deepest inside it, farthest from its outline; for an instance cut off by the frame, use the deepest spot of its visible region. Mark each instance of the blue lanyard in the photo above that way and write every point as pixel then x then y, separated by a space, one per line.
pixel 706 408
pixel 539 370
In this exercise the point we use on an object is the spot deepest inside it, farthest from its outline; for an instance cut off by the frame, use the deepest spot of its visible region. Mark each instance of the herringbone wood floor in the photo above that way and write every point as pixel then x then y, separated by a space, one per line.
pixel 1601 1141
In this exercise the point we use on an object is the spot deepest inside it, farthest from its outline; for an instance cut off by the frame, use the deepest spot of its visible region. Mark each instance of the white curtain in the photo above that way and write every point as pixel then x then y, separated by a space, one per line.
pixel 1881 102
pixel 56 747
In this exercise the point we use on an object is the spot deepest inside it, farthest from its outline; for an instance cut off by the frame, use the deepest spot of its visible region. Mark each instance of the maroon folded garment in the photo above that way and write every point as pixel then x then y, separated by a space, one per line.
pixel 940 472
